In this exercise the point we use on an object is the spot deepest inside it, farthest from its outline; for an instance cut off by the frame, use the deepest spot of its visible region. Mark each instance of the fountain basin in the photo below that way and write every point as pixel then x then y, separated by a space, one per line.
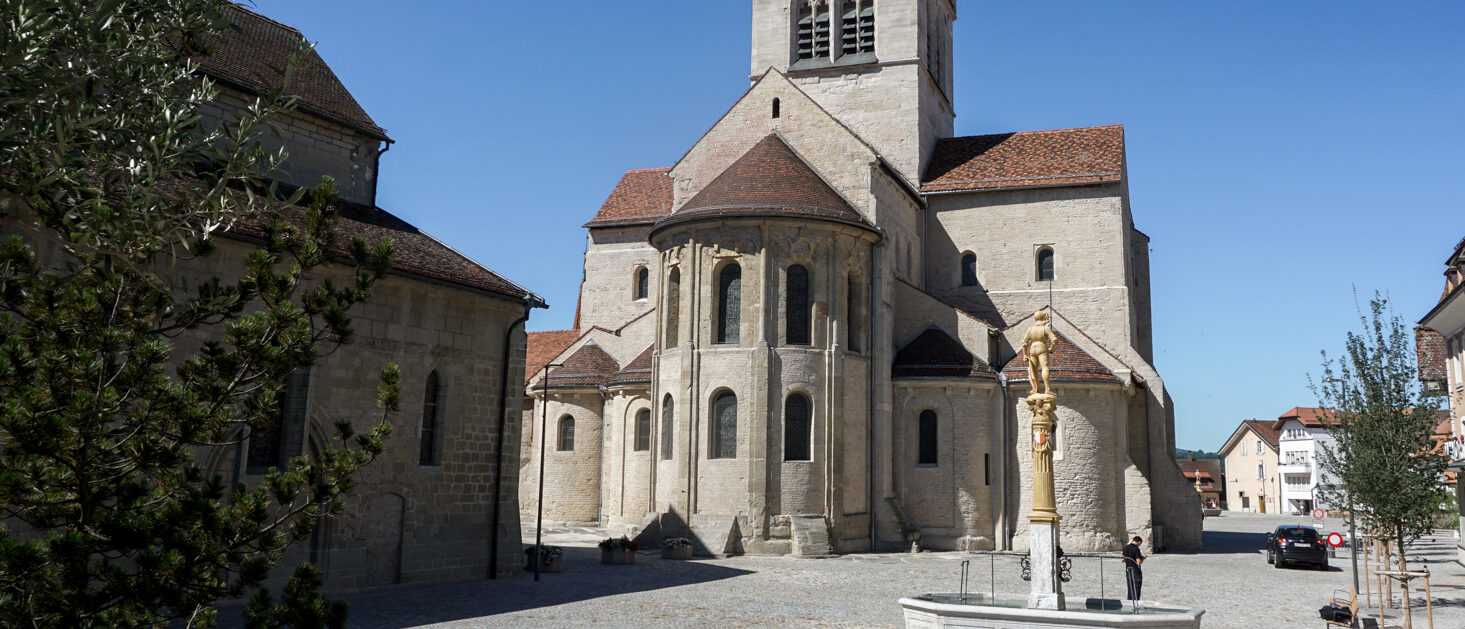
pixel 938 611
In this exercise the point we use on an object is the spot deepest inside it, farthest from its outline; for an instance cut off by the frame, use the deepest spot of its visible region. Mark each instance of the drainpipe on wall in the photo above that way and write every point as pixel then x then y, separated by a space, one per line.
pixel 870 404
pixel 498 457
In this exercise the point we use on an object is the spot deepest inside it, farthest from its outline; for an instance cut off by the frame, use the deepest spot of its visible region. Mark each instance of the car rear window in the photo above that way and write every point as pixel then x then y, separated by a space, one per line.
pixel 1309 535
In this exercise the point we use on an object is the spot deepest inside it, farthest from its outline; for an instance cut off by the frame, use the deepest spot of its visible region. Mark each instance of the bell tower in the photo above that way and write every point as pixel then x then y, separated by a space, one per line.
pixel 882 67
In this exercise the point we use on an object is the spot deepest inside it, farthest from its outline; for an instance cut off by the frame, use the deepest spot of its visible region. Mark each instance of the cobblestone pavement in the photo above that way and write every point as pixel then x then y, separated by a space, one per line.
pixel 1230 580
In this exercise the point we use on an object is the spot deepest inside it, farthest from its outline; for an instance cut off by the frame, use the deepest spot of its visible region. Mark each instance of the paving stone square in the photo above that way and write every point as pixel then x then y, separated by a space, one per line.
pixel 1231 580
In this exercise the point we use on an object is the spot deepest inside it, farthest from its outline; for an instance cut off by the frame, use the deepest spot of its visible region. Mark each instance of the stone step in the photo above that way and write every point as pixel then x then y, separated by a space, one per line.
pixel 810 536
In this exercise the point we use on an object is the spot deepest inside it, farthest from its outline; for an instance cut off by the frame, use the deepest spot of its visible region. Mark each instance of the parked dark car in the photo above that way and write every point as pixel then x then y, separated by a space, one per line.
pixel 1293 544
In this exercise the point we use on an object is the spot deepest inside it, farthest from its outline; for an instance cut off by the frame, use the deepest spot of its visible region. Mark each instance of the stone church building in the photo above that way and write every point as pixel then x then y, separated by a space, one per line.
pixel 799 337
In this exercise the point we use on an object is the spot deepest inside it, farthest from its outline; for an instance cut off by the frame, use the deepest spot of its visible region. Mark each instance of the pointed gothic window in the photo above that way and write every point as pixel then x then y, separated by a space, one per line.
pixel 729 303
pixel 643 282
pixel 673 306
pixel 723 443
pixel 284 437
pixel 813 29
pixel 857 27
pixel 796 426
pixel 667 416
pixel 796 312
pixel 567 434
pixel 427 454
pixel 643 430
pixel 1045 264
pixel 926 454
pixel 969 269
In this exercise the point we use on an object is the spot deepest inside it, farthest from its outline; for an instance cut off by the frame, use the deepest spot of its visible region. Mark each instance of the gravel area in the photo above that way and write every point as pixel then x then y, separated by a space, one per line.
pixel 1230 580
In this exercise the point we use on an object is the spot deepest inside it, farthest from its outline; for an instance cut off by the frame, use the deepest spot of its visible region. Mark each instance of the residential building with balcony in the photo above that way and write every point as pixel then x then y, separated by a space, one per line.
pixel 1302 435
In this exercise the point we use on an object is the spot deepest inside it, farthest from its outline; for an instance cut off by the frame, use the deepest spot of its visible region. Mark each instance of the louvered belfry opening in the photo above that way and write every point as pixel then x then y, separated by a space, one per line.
pixel 813 30
pixel 857 27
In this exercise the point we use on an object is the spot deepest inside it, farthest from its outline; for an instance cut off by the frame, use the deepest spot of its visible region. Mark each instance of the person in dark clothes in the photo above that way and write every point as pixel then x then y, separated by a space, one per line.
pixel 1133 575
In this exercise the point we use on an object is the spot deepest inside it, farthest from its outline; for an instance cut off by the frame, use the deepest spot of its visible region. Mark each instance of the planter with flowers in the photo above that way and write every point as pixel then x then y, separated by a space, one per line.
pixel 552 559
pixel 676 548
pixel 618 550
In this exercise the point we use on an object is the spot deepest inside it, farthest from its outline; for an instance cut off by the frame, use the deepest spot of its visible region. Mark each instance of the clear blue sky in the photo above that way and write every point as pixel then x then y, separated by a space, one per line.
pixel 1280 153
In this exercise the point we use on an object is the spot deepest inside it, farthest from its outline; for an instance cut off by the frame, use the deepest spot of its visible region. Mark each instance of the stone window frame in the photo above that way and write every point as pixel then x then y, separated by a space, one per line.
pixel 1052 257
pixel 809 428
pixel 722 332
pixel 429 451
pixel 934 434
pixel 641 431
pixel 286 435
pixel 718 440
pixel 564 440
pixel 806 52
pixel 641 283
pixel 967 270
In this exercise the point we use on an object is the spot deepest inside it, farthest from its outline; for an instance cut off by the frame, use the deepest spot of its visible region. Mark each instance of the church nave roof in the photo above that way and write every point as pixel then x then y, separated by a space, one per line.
pixel 640 198
pixel 1027 159
pixel 935 354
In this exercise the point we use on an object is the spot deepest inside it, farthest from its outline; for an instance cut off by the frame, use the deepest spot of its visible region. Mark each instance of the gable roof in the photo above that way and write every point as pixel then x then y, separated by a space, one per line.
pixel 1263 429
pixel 1027 159
pixel 1066 362
pixel 542 347
pixel 935 354
pixel 1308 416
pixel 770 179
pixel 588 366
pixel 640 198
pixel 1209 471
pixel 247 58
pixel 638 370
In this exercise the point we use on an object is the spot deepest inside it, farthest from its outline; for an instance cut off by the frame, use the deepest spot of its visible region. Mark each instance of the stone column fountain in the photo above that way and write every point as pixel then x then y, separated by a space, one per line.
pixel 1047 591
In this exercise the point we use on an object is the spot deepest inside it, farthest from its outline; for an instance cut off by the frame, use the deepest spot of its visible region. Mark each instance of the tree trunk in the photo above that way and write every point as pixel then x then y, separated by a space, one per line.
pixel 1404 582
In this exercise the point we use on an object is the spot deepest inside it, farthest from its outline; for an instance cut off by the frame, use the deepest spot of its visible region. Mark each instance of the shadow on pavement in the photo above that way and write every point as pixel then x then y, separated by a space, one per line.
pixel 1231 543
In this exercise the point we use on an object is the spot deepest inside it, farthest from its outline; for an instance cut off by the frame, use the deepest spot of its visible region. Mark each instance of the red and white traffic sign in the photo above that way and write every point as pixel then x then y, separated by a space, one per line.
pixel 1319 513
pixel 1335 539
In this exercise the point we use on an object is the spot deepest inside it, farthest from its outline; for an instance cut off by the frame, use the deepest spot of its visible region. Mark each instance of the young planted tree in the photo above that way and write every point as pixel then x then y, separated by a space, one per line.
pixel 1380 462
pixel 117 371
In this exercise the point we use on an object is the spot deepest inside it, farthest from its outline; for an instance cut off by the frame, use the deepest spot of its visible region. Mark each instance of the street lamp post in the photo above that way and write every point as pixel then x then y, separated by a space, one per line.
pixel 543 437
pixel 1352 522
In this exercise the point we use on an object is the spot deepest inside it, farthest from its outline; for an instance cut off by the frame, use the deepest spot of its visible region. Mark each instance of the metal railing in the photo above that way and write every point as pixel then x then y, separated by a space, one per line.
pixel 1065 574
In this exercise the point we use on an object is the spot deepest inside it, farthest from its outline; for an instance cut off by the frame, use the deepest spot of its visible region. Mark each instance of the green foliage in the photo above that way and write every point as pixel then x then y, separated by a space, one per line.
pixel 115 372
pixel 1182 454
pixel 300 606
pixel 1381 463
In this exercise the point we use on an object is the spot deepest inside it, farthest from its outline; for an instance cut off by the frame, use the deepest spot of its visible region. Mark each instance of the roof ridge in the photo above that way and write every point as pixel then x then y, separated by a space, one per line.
pixel 1037 131
pixel 648 170
pixel 246 10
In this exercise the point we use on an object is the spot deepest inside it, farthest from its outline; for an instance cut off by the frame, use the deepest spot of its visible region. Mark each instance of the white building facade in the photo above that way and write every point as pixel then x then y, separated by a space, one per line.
pixel 1440 344
pixel 1302 435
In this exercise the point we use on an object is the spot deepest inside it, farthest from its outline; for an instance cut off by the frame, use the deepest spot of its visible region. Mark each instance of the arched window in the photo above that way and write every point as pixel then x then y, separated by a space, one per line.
pixel 969 269
pixel 643 282
pixel 857 27
pixel 775 108
pixel 643 430
pixel 567 434
pixel 926 452
pixel 729 303
pixel 723 442
pixel 796 427
pixel 428 453
pixel 273 445
pixel 796 306
pixel 667 416
pixel 813 31
pixel 673 306
pixel 853 309
pixel 1045 264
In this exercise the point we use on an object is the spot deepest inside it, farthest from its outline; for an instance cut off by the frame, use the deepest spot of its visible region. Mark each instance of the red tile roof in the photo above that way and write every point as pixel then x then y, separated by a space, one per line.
pixel 1429 350
pixel 543 347
pixel 588 366
pixel 245 58
pixel 769 180
pixel 638 370
pixel 640 198
pixel 1066 362
pixel 1265 430
pixel 414 253
pixel 934 354
pixel 1061 157
pixel 1308 416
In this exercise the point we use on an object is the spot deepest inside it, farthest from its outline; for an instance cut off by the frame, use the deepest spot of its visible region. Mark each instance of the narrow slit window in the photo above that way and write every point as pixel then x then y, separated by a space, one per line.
pixel 724 438
pixel 729 303
pixel 796 428
pixel 969 269
pixel 643 430
pixel 566 441
pixel 643 282
pixel 796 306
pixel 926 454
pixel 673 306
pixel 854 331
pixel 987 469
pixel 1045 264
pixel 667 428
pixel 428 448
pixel 775 108
pixel 273 445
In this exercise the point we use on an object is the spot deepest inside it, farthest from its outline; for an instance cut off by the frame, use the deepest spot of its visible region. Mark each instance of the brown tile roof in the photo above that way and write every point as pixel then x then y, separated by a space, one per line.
pixel 769 180
pixel 588 366
pixel 1066 362
pixel 638 370
pixel 640 198
pixel 414 253
pixel 1265 430
pixel 1429 350
pixel 1060 157
pixel 1308 416
pixel 543 347
pixel 244 58
pixel 934 354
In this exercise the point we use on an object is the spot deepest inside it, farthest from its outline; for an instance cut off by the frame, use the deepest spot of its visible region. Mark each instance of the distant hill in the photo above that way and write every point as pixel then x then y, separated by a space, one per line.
pixel 1181 453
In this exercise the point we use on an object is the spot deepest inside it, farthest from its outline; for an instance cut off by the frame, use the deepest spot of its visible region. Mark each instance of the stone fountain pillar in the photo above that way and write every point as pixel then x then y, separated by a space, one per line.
pixel 1047 592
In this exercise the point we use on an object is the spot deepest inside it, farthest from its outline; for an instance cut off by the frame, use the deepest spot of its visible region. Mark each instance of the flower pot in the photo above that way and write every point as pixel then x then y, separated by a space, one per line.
pixel 554 565
pixel 676 552
pixel 617 555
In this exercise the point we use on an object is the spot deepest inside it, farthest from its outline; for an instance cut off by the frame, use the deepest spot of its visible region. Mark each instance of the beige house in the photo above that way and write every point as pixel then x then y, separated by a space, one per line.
pixel 1250 458
pixel 798 337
